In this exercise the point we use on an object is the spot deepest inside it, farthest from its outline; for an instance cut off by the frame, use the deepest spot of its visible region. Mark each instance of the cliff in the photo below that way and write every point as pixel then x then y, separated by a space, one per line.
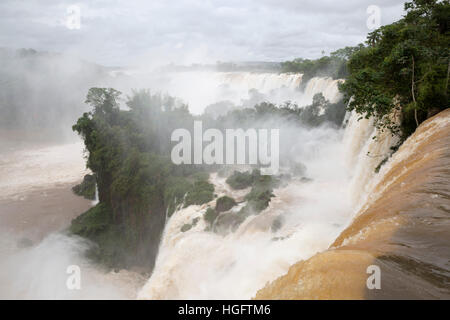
pixel 403 228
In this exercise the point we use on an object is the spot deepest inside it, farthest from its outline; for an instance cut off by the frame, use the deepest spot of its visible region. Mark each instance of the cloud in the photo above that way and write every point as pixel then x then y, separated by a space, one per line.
pixel 122 32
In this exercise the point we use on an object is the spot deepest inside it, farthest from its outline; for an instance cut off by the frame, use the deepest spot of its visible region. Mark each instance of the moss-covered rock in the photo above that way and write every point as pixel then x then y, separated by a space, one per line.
pixel 257 200
pixel 225 203
pixel 95 225
pixel 186 227
pixel 189 226
pixel 86 188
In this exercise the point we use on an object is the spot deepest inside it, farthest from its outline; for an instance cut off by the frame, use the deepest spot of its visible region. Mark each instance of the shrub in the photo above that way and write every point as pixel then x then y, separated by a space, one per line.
pixel 86 188
pixel 202 192
pixel 189 226
pixel 92 221
pixel 224 204
pixel 241 180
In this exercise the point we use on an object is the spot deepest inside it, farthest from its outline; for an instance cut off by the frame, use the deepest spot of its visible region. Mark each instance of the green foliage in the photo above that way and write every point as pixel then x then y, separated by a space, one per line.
pixel 137 183
pixel 129 153
pixel 201 176
pixel 334 66
pixel 257 200
pixel 225 203
pixel 92 222
pixel 404 67
pixel 86 188
pixel 210 215
pixel 175 191
pixel 322 111
pixel 259 197
pixel 202 192
pixel 188 226
pixel 240 180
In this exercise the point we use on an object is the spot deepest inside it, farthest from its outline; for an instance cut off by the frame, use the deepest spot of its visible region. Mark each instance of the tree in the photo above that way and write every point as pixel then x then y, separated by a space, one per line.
pixel 404 66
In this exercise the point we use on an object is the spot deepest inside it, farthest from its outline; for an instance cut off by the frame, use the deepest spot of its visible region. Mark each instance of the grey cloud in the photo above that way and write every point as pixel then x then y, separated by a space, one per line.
pixel 124 32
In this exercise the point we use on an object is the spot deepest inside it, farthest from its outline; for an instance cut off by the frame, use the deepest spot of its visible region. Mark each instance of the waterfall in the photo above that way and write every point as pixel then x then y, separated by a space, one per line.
pixel 96 200
pixel 402 228
pixel 263 82
pixel 366 148
pixel 327 86
pixel 200 264
pixel 200 89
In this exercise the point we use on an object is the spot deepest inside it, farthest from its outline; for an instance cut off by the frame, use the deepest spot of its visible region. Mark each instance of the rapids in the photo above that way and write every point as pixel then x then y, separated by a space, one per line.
pixel 199 264
pixel 403 228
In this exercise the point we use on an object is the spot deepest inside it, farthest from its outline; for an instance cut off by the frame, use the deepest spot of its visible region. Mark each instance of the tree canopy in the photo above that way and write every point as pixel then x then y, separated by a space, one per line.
pixel 404 68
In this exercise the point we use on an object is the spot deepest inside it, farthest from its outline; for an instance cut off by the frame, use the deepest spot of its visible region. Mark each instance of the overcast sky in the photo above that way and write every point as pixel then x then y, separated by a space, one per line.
pixel 127 32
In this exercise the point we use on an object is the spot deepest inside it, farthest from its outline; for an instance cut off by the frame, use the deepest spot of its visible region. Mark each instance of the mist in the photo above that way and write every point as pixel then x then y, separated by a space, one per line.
pixel 198 264
pixel 133 161
pixel 42 271
pixel 38 270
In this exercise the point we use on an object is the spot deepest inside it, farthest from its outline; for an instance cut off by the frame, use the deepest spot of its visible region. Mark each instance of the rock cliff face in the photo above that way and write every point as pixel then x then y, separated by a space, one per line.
pixel 403 228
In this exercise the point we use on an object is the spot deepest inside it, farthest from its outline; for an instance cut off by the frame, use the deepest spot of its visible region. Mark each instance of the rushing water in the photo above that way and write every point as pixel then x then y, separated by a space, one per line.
pixel 403 228
pixel 200 89
pixel 36 205
pixel 397 218
pixel 37 181
pixel 199 264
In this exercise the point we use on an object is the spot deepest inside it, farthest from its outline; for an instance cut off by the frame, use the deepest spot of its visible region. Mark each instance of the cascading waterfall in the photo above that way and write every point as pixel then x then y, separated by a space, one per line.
pixel 380 182
pixel 264 82
pixel 199 264
pixel 402 228
pixel 327 86
pixel 200 89
pixel 366 147
pixel 96 200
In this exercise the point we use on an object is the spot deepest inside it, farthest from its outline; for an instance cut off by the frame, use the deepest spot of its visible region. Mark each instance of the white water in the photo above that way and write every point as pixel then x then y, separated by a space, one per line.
pixel 198 264
pixel 202 265
pixel 96 200
pixel 200 89
pixel 366 147
pixel 373 189
pixel 39 271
